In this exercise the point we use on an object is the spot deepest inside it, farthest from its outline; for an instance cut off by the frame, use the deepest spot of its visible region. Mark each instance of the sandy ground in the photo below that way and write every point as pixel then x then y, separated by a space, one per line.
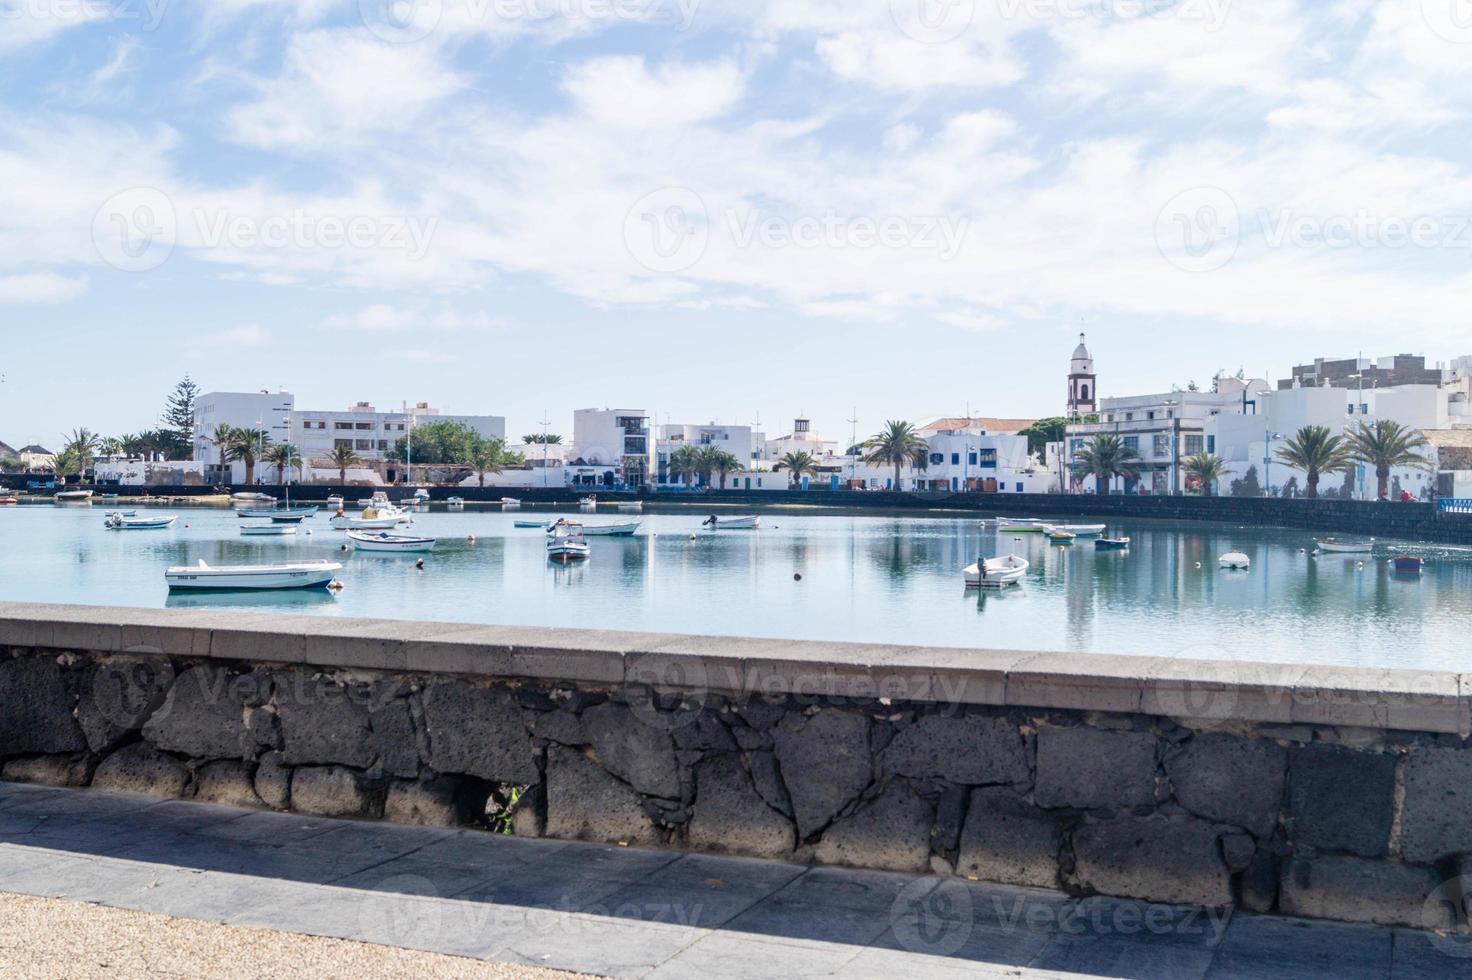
pixel 45 937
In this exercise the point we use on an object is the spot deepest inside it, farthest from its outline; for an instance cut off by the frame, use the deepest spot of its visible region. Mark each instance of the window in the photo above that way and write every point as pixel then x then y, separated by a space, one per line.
pixel 955 459
pixel 342 425
pixel 1193 445
pixel 1349 409
pixel 1132 442
pixel 342 444
pixel 1084 392
pixel 971 459
pixel 988 459
pixel 1150 415
pixel 1019 488
pixel 1364 409
pixel 364 425
pixel 364 444
pixel 937 458
pixel 382 444
pixel 1129 416
pixel 1161 445
pixel 1211 444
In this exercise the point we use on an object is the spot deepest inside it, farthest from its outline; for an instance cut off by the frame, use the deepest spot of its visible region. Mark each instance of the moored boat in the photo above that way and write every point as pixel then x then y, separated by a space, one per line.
pixel 287 575
pixel 288 518
pixel 1111 544
pixel 254 513
pixel 1234 560
pixel 1407 564
pixel 130 522
pixel 252 497
pixel 383 541
pixel 1341 546
pixel 510 502
pixel 731 523
pixel 72 496
pixel 335 502
pixel 1020 525
pixel 1060 536
pixel 7 500
pixel 1077 530
pixel 266 530
pixel 996 572
pixel 610 530
pixel 541 524
pixel 565 542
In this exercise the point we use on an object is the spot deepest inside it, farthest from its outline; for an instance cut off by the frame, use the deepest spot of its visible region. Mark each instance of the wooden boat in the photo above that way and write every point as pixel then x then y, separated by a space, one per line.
pixel 1060 536
pixel 288 575
pixel 267 530
pixel 731 523
pixel 383 541
pixel 274 512
pixel 1234 560
pixel 1339 546
pixel 610 530
pixel 995 573
pixel 130 522
pixel 1111 544
pixel 72 496
pixel 1407 564
pixel 565 543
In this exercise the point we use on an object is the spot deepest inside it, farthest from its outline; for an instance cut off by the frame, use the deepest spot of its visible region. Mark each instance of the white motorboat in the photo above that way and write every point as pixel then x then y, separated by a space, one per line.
pixel 372 518
pixel 266 530
pixel 996 572
pixel 129 522
pixel 379 499
pixel 731 523
pixel 541 524
pixel 636 506
pixel 455 501
pixel 335 502
pixel 510 502
pixel 253 513
pixel 383 541
pixel 1235 560
pixel 288 575
pixel 589 501
pixel 72 496
pixel 1340 546
pixel 565 543
pixel 1020 525
pixel 252 497
pixel 121 513
pixel 610 530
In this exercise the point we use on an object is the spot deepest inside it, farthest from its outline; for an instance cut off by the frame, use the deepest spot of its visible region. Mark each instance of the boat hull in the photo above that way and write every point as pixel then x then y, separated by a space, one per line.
pixel 564 554
pixel 275 512
pixel 1345 547
pixel 735 523
pixel 999 572
pixel 610 530
pixel 1234 561
pixel 1407 565
pixel 269 530
pixel 391 543
pixel 139 523
pixel 318 575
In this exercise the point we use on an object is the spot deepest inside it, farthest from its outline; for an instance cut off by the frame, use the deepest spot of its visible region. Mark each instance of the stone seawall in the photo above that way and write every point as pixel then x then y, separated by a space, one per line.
pixel 1336 794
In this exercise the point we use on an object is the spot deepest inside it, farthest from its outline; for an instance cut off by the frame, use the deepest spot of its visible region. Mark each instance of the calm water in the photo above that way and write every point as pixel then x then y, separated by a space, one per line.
pixel 866 578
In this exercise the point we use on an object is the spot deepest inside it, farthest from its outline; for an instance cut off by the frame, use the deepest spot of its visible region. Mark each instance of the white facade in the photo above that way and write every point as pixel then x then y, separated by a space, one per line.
pixel 611 446
pixel 316 433
pixel 738 440
pixel 802 439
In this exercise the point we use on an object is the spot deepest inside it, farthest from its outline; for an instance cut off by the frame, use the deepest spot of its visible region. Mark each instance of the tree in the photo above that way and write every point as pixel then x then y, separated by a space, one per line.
pixel 81 444
pixel 797 465
pixel 110 446
pixel 724 464
pixel 225 439
pixel 1385 445
pixel 1315 450
pixel 65 462
pixel 250 445
pixel 283 457
pixel 439 443
pixel 178 420
pixel 684 464
pixel 342 457
pixel 1207 470
pixel 1248 486
pixel 1104 457
pixel 538 438
pixel 487 456
pixel 1042 432
pixel 897 444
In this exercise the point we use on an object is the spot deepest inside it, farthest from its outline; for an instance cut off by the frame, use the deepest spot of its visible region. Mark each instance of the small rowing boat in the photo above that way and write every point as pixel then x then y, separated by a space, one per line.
pixel 1235 561
pixel 1407 564
pixel 611 530
pixel 129 522
pixel 1340 546
pixel 1060 536
pixel 731 523
pixel 73 496
pixel 1020 525
pixel 251 497
pixel 275 512
pixel 383 541
pixel 288 575
pixel 1077 530
pixel 267 530
pixel 1111 544
pixel 994 573
pixel 541 524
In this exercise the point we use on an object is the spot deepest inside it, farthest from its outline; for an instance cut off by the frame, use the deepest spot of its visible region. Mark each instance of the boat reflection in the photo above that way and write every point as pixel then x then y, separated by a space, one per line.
pixel 251 599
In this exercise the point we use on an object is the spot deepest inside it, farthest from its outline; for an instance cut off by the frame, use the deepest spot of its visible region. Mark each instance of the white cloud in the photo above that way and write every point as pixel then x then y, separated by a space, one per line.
pixel 381 317
pixel 40 287
pixel 625 91
pixel 27 22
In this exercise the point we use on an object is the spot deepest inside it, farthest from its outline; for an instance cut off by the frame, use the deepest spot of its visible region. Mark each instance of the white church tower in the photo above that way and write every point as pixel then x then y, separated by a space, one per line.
pixel 1082 389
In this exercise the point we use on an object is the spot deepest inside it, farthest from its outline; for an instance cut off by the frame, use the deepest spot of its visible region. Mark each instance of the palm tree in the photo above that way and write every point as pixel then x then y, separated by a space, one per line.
pixel 64 463
pixel 1206 468
pixel 225 441
pixel 487 456
pixel 283 457
pixel 684 464
pixel 552 439
pixel 724 464
pixel 1315 451
pixel 797 464
pixel 250 444
pixel 1385 445
pixel 897 444
pixel 81 444
pixel 342 457
pixel 110 446
pixel 1104 457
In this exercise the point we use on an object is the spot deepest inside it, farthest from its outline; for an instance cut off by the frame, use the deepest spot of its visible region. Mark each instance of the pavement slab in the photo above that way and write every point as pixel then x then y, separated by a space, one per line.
pixel 634 912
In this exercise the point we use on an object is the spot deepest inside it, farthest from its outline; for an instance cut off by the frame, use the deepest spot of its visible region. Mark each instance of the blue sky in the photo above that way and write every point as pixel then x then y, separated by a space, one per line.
pixel 717 209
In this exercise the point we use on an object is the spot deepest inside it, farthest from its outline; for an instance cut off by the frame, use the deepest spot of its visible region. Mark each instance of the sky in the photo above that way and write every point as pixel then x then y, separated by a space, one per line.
pixel 732 210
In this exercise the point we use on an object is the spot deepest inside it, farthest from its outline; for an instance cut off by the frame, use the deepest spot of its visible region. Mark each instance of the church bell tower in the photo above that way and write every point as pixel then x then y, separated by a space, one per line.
pixel 1082 389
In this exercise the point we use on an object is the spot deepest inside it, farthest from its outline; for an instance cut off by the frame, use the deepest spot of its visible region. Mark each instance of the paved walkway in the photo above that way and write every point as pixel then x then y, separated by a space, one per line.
pixel 637 913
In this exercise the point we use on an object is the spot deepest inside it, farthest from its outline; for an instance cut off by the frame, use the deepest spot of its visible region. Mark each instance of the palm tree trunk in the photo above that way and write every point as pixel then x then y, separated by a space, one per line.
pixel 482 480
pixel 897 475
pixel 1382 477
pixel 1313 484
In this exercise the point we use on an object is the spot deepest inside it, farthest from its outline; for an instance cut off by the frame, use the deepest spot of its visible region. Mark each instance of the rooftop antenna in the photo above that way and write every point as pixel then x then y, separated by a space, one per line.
pixel 854 442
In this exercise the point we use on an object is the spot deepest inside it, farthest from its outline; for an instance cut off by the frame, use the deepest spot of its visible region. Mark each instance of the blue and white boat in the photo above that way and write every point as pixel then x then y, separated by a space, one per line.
pixel 384 541
pixel 288 575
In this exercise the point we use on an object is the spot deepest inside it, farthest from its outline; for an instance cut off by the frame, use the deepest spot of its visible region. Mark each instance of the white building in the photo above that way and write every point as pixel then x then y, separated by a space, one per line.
pixel 802 439
pixel 738 440
pixel 316 433
pixel 611 447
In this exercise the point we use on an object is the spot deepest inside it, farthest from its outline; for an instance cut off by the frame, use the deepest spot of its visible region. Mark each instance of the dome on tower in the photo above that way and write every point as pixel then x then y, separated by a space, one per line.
pixel 1083 362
